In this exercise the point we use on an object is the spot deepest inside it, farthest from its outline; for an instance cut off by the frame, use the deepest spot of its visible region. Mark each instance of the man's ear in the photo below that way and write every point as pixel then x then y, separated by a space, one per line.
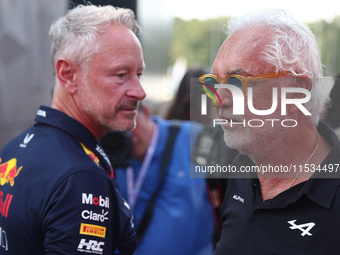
pixel 304 82
pixel 66 73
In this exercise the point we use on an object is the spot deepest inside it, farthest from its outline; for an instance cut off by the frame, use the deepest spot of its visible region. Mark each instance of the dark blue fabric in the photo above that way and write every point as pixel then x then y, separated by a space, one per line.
pixel 63 202
pixel 182 220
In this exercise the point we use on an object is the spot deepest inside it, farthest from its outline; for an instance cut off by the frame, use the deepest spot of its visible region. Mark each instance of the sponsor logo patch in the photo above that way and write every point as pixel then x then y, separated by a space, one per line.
pixel 238 198
pixel 41 113
pixel 9 171
pixel 91 246
pixel 89 199
pixel 92 230
pixel 91 154
pixel 27 139
pixel 90 215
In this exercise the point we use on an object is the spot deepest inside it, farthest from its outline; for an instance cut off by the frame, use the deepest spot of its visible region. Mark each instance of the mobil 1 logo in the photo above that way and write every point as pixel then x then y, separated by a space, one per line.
pixel 90 199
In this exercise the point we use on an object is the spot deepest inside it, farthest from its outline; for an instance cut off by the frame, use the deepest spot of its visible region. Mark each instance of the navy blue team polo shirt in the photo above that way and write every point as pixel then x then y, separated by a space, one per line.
pixel 57 195
pixel 303 220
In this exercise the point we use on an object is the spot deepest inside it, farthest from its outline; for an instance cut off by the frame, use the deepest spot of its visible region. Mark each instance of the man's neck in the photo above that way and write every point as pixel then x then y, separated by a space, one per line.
pixel 64 102
pixel 293 163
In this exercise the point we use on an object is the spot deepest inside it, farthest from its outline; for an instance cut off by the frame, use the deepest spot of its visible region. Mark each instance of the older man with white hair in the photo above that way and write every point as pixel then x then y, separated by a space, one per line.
pixel 289 207
pixel 57 193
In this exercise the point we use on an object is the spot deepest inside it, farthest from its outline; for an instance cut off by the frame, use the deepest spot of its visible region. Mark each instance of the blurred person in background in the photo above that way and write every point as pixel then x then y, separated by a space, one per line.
pixel 171 211
pixel 276 209
pixel 186 105
pixel 57 193
pixel 185 96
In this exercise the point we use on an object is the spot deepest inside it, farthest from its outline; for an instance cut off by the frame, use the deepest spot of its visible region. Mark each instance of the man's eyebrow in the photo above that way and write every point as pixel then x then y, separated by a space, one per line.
pixel 141 68
pixel 239 71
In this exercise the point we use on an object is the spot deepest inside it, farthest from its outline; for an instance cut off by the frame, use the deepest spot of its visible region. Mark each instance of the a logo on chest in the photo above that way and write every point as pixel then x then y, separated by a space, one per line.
pixel 304 228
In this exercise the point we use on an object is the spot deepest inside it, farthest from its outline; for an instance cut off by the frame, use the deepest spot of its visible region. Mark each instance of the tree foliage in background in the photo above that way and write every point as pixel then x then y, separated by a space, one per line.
pixel 193 40
pixel 198 42
pixel 328 38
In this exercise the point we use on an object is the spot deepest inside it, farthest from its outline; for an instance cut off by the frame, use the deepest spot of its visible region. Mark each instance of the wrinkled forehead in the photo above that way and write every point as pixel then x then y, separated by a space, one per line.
pixel 243 50
pixel 118 35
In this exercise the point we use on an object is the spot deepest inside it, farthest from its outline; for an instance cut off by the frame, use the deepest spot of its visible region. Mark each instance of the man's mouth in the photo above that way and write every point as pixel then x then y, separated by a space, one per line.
pixel 128 110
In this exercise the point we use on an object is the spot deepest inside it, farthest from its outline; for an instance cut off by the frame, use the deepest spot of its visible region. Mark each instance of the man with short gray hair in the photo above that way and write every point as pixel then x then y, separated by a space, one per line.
pixel 57 193
pixel 278 200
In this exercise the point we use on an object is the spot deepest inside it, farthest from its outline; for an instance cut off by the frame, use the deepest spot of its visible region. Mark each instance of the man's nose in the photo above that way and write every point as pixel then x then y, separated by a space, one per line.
pixel 136 90
pixel 226 98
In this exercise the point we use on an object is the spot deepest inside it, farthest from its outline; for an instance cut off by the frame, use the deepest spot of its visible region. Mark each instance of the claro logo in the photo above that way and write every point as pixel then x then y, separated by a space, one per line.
pixel 100 201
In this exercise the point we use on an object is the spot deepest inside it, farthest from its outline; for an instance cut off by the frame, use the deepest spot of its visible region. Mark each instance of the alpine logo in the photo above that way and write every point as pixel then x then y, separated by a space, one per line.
pixel 90 199
pixel 91 246
pixel 304 228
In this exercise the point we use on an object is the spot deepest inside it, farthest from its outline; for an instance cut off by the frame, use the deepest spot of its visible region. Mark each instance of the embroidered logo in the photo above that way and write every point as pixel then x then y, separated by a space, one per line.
pixel 41 113
pixel 27 139
pixel 91 154
pixel 91 246
pixel 9 171
pixel 304 228
pixel 92 230
pixel 238 198
pixel 101 152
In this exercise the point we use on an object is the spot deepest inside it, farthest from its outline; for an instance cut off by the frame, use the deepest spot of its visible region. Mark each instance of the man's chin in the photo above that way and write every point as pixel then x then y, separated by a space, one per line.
pixel 131 127
pixel 123 125
pixel 236 140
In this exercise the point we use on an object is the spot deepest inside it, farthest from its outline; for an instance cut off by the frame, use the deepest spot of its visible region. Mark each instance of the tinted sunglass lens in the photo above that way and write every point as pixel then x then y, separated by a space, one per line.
pixel 234 81
pixel 211 82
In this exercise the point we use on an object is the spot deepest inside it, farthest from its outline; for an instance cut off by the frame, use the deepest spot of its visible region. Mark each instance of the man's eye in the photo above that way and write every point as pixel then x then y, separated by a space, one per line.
pixel 121 75
pixel 139 75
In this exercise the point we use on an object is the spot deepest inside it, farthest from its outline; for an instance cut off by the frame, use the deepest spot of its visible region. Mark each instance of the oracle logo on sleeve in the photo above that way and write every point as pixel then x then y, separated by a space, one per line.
pixel 92 200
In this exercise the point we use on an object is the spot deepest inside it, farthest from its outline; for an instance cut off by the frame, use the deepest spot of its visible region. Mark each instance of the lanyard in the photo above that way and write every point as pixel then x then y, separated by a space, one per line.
pixel 133 189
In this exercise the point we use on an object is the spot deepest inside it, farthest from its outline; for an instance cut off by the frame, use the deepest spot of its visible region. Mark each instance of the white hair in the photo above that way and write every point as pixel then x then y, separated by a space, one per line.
pixel 292 48
pixel 74 35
